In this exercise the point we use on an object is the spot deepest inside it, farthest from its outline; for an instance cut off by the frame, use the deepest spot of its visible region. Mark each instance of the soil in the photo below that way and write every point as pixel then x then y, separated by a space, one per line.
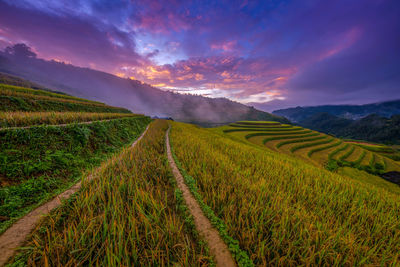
pixel 217 246
pixel 15 236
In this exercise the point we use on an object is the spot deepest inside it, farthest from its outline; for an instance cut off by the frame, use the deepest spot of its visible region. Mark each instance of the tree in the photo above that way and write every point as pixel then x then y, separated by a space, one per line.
pixel 20 50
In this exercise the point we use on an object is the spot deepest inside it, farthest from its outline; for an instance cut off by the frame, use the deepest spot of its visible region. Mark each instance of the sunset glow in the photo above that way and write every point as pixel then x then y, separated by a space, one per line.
pixel 251 52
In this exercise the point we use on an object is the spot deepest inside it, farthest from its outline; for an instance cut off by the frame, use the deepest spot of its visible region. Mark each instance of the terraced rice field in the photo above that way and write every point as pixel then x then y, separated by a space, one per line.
pixel 21 119
pixel 129 214
pixel 311 146
pixel 285 212
pixel 14 98
pixel 269 208
pixel 45 152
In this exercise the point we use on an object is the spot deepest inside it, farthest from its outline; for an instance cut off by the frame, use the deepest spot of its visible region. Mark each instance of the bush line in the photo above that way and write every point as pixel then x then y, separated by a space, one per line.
pixel 6 87
pixel 280 144
pixel 337 151
pixel 261 127
pixel 287 137
pixel 276 129
pixel 312 151
pixel 276 133
pixel 347 154
pixel 20 118
pixel 295 148
pixel 360 158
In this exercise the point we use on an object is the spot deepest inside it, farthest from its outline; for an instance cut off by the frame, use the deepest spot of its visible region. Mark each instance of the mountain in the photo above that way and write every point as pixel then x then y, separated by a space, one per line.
pixel 372 128
pixel 354 112
pixel 139 97
pixel 325 122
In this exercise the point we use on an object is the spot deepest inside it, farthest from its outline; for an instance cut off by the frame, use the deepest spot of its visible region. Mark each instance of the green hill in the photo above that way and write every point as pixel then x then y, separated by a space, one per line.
pixel 47 140
pixel 272 203
pixel 317 148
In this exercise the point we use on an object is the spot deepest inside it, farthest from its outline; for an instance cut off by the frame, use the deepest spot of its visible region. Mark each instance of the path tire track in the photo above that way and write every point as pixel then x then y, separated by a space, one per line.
pixel 217 246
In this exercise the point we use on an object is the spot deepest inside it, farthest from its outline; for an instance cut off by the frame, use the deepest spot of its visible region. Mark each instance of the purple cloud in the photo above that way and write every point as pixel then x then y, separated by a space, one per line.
pixel 287 52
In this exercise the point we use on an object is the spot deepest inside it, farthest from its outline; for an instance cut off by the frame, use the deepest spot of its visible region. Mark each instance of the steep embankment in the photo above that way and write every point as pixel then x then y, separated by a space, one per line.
pixel 39 160
pixel 129 214
pixel 16 235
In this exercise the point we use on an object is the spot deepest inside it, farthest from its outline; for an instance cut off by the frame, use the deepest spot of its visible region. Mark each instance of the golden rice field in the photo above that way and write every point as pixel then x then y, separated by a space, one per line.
pixel 263 189
pixel 14 98
pixel 20 118
pixel 284 210
pixel 311 146
pixel 48 98
pixel 6 89
pixel 130 214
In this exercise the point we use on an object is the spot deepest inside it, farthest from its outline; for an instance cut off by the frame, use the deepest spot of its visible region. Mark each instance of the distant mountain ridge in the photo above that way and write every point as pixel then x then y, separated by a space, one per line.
pixel 20 61
pixel 354 112
pixel 372 128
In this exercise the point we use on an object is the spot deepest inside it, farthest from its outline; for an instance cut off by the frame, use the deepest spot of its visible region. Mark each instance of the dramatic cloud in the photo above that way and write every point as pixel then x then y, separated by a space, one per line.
pixel 271 54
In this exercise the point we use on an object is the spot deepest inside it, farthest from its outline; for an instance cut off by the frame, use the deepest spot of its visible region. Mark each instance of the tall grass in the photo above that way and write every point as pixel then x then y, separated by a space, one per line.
pixel 360 158
pixel 260 126
pixel 273 138
pixel 276 133
pixel 300 140
pixel 5 88
pixel 347 154
pixel 20 118
pixel 258 123
pixel 318 149
pixel 126 216
pixel 285 212
pixel 59 98
pixel 38 162
pixel 307 145
pixel 337 151
pixel 269 129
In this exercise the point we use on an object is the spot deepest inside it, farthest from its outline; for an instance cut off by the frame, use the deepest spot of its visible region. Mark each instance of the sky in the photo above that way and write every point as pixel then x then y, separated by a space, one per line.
pixel 270 54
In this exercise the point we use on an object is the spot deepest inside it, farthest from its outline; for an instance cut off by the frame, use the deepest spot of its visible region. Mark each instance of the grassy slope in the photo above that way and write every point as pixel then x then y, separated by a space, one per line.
pixel 40 161
pixel 317 152
pixel 13 98
pixel 130 214
pixel 6 89
pixel 284 211
pixel 20 119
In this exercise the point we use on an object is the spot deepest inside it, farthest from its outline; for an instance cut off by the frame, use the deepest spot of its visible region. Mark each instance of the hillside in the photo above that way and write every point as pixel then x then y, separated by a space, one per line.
pixel 353 112
pixel 372 128
pixel 269 207
pixel 47 140
pixel 131 94
pixel 317 148
pixel 282 210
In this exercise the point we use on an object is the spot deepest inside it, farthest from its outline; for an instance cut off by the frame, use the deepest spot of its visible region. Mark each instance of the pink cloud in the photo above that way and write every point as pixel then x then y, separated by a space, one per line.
pixel 225 46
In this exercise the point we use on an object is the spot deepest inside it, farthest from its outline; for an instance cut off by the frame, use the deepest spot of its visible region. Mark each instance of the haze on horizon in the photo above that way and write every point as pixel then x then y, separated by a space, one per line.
pixel 270 54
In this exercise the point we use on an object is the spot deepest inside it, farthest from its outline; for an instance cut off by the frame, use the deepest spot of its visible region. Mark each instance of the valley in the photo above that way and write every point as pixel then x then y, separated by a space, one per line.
pixel 267 190
pixel 199 133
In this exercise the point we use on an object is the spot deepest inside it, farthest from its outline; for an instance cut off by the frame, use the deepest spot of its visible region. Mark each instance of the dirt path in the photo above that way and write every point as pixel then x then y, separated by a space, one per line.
pixel 217 246
pixel 63 124
pixel 16 235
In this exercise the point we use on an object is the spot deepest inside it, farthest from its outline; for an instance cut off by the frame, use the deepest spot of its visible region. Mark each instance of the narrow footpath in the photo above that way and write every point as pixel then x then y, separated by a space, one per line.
pixel 16 235
pixel 59 125
pixel 217 246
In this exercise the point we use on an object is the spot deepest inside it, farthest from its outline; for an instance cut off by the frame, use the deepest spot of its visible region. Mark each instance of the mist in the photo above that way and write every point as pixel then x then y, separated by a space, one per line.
pixel 19 60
